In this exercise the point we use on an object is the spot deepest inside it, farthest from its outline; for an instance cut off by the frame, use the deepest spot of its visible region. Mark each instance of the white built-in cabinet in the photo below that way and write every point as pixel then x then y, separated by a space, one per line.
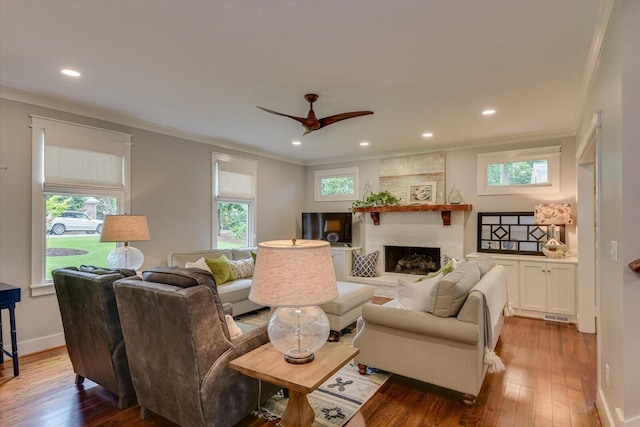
pixel 548 287
pixel 342 261
pixel 540 287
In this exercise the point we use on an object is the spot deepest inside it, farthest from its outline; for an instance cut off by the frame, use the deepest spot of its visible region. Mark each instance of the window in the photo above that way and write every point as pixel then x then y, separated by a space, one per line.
pixel 234 201
pixel 336 184
pixel 535 170
pixel 80 174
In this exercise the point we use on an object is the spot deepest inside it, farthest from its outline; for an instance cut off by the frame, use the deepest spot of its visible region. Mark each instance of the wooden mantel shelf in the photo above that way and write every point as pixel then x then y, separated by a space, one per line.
pixel 445 210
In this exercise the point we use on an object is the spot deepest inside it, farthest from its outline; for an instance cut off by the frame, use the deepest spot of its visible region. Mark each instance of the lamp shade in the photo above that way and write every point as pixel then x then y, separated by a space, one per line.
pixel 553 214
pixel 293 274
pixel 332 225
pixel 125 228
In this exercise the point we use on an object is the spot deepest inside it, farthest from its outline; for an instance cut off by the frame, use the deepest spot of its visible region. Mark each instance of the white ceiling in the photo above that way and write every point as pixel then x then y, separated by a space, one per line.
pixel 203 67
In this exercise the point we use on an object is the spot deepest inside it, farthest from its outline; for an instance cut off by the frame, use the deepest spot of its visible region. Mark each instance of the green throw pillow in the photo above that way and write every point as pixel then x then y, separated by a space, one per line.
pixel 446 269
pixel 254 254
pixel 221 269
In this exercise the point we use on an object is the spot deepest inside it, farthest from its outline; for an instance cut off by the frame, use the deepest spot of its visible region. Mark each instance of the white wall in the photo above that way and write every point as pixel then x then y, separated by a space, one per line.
pixel 461 170
pixel 171 184
pixel 616 92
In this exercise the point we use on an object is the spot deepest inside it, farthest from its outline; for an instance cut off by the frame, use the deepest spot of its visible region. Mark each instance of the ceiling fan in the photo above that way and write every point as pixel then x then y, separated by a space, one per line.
pixel 311 122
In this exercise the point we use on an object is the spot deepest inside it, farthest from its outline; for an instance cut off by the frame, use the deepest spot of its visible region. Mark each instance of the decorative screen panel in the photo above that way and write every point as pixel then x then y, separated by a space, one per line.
pixel 511 233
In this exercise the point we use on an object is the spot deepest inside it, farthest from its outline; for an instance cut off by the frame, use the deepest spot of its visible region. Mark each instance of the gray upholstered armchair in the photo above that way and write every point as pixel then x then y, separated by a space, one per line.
pixel 179 349
pixel 92 328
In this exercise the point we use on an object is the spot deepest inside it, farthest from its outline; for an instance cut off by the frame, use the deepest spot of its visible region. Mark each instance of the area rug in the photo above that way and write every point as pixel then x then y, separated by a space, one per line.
pixel 335 401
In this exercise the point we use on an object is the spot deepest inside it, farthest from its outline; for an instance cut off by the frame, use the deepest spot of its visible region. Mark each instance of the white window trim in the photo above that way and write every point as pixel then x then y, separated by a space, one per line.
pixel 253 204
pixel 319 175
pixel 39 285
pixel 550 154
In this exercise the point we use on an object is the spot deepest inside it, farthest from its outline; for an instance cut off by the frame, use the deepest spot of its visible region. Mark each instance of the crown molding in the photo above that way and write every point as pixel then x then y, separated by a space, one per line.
pixel 121 119
pixel 593 60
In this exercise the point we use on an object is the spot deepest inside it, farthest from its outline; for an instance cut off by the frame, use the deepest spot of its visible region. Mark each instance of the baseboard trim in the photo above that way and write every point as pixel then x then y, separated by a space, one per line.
pixel 38 344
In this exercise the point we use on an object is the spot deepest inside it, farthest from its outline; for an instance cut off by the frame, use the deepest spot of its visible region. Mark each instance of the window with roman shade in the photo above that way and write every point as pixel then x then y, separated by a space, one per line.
pixel 78 171
pixel 234 184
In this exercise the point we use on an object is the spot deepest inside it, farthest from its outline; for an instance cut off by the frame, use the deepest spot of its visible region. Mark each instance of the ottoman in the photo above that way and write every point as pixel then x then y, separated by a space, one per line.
pixel 345 310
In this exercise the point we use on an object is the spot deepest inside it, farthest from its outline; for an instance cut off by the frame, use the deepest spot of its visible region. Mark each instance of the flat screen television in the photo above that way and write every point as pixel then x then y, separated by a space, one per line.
pixel 334 227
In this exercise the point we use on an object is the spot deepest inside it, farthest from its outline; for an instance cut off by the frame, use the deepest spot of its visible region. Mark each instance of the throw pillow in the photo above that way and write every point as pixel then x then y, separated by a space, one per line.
pixel 241 268
pixel 221 269
pixel 365 265
pixel 450 293
pixel 415 295
pixel 485 263
pixel 201 264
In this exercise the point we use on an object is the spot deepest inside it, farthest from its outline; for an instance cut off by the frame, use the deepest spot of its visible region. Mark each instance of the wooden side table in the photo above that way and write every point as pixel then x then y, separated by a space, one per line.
pixel 268 364
pixel 9 296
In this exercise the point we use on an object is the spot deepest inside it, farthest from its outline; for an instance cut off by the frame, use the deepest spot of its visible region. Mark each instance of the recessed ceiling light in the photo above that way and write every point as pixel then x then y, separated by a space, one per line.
pixel 427 135
pixel 488 112
pixel 364 144
pixel 297 143
pixel 71 73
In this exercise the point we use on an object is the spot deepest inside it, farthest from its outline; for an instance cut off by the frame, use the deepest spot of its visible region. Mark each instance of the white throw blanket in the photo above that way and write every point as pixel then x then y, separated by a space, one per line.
pixel 494 289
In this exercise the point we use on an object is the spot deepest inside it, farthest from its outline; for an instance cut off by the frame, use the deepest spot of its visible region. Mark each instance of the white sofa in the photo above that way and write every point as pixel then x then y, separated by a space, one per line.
pixel 235 292
pixel 444 351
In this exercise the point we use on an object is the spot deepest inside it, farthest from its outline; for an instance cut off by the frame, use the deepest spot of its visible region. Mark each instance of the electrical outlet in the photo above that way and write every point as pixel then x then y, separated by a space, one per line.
pixel 614 251
pixel 606 374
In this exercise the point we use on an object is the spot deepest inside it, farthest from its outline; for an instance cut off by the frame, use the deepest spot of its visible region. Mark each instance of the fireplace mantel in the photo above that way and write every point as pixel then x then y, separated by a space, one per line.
pixel 445 210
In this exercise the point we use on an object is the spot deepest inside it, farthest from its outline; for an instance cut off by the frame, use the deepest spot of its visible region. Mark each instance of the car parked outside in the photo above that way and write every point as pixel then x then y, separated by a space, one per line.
pixel 73 221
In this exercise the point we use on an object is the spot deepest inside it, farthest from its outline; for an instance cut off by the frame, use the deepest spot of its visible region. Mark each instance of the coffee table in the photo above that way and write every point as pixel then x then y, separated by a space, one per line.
pixel 268 364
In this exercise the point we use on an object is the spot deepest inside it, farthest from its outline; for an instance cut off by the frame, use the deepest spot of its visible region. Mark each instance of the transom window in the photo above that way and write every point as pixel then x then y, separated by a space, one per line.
pixel 336 184
pixel 535 170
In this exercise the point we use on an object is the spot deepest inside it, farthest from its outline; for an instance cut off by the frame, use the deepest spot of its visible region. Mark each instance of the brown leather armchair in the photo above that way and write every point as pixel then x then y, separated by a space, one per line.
pixel 179 349
pixel 92 328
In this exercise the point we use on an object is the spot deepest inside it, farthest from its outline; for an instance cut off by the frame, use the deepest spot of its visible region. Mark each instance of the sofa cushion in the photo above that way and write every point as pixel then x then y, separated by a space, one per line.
pixel 350 296
pixel 242 253
pixel 415 295
pixel 220 268
pixel 365 265
pixel 450 293
pixel 235 291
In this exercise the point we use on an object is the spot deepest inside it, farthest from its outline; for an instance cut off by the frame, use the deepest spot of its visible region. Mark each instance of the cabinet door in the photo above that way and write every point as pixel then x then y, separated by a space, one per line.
pixel 533 286
pixel 511 273
pixel 561 289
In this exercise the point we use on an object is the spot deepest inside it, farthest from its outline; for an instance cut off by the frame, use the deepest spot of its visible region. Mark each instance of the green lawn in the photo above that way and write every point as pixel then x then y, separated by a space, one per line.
pixel 96 252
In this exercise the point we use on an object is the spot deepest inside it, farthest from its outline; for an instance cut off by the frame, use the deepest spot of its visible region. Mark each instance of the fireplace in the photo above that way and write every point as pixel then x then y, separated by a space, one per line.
pixel 411 259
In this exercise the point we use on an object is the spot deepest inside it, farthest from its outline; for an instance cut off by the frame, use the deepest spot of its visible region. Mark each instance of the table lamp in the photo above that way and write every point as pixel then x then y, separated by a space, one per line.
pixel 553 214
pixel 125 228
pixel 331 227
pixel 296 277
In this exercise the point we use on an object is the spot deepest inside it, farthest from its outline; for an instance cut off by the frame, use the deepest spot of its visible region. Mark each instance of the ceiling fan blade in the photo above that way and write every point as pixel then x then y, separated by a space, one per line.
pixel 299 119
pixel 326 121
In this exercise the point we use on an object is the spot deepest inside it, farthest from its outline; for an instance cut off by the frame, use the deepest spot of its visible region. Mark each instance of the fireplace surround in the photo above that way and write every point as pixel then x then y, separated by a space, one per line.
pixel 411 259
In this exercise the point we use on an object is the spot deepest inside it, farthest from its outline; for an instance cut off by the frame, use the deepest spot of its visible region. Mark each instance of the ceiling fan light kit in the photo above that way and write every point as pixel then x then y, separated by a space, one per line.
pixel 311 122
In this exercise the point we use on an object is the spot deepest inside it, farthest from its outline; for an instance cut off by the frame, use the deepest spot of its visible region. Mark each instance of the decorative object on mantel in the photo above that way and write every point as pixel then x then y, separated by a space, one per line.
pixel 553 215
pixel 445 210
pixel 635 265
pixel 423 193
pixel 383 198
pixel 311 122
pixel 455 198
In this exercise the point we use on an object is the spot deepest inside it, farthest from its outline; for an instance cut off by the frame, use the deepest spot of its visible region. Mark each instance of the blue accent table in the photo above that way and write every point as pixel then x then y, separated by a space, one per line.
pixel 9 296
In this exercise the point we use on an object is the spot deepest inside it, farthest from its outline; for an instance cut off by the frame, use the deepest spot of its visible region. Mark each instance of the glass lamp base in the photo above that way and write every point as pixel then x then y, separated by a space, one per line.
pixel 298 332
pixel 554 248
pixel 125 257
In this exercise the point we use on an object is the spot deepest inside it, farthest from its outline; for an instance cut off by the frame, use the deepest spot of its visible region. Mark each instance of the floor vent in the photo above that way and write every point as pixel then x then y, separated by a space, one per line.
pixel 556 318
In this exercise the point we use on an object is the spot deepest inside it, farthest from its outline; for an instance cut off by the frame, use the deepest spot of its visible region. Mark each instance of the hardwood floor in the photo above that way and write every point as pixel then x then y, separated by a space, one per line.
pixel 550 381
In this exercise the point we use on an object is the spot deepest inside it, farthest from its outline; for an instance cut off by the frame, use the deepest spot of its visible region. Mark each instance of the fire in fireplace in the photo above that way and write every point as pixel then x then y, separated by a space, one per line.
pixel 411 259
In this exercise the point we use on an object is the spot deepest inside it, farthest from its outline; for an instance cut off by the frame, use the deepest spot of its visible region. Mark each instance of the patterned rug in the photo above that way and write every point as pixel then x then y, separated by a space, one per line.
pixel 335 401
